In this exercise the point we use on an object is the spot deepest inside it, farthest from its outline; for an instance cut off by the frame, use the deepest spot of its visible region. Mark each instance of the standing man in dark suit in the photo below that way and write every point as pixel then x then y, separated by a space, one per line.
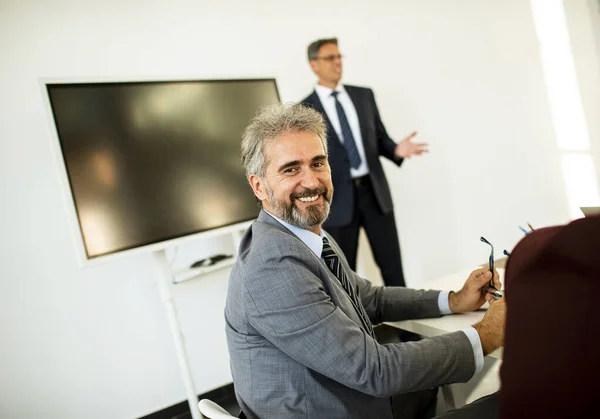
pixel 356 138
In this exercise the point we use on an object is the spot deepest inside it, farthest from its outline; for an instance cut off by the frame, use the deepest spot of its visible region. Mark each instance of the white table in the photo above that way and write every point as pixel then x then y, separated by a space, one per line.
pixel 454 395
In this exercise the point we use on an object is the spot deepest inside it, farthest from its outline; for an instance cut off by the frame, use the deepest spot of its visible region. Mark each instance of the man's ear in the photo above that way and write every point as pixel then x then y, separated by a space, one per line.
pixel 313 65
pixel 258 187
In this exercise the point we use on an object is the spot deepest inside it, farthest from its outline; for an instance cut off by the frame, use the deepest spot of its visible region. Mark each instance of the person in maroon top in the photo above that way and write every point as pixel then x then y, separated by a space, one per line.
pixel 551 361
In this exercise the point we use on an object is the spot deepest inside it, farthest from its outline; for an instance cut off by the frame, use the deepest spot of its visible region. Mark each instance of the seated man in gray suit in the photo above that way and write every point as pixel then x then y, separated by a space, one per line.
pixel 299 320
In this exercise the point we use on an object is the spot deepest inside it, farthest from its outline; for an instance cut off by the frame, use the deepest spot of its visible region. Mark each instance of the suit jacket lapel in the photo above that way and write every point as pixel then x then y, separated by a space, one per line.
pixel 318 106
pixel 360 106
pixel 265 217
pixel 334 282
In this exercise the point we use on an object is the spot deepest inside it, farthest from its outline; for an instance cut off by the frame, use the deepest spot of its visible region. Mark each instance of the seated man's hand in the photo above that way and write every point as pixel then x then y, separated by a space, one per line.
pixel 473 295
pixel 491 327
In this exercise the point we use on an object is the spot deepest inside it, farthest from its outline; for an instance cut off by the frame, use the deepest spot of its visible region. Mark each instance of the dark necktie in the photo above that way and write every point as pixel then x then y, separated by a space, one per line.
pixel 333 263
pixel 349 143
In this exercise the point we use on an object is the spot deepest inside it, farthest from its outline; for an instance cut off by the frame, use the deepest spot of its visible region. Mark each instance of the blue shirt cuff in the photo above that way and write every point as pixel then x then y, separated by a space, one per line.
pixel 443 303
pixel 473 337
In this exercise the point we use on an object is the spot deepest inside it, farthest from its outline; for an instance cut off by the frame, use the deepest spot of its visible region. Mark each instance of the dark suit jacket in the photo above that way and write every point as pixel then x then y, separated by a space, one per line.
pixel 376 143
pixel 551 366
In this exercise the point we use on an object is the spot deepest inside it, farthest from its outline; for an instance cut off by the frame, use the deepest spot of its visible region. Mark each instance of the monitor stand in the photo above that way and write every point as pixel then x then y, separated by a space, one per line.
pixel 164 281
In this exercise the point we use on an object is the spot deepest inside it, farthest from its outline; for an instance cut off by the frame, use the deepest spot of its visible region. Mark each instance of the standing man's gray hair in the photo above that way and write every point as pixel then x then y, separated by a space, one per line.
pixel 313 48
pixel 271 122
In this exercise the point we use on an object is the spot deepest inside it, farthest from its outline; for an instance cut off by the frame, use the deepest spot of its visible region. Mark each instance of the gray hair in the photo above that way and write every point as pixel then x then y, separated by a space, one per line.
pixel 271 122
pixel 313 48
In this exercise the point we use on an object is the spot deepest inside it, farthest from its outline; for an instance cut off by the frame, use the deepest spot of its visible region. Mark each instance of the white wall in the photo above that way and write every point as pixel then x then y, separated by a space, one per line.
pixel 95 342
pixel 583 22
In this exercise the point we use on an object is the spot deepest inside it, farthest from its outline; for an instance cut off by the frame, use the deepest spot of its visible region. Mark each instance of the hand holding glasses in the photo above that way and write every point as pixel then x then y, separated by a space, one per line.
pixel 491 288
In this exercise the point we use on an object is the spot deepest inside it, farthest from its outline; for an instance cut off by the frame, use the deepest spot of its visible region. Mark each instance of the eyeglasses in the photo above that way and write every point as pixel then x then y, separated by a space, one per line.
pixel 330 58
pixel 491 288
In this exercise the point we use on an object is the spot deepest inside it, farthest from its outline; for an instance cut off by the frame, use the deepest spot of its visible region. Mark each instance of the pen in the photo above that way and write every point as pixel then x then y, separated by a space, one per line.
pixel 529 225
pixel 524 231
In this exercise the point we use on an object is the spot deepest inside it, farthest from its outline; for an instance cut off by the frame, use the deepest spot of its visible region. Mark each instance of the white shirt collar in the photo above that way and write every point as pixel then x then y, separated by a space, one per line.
pixel 324 93
pixel 312 240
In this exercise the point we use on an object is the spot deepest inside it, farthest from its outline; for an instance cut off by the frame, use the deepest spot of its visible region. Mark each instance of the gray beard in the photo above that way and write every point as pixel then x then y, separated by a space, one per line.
pixel 291 214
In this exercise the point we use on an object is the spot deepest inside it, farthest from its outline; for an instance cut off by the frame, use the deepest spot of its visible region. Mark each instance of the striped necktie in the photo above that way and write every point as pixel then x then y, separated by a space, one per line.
pixel 348 138
pixel 333 263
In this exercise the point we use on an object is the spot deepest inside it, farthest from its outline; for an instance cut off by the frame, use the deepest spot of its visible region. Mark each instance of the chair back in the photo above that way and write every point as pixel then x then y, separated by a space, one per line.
pixel 212 410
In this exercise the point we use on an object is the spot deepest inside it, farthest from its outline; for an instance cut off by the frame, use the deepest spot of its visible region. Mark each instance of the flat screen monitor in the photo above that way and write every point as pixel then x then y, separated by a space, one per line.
pixel 148 162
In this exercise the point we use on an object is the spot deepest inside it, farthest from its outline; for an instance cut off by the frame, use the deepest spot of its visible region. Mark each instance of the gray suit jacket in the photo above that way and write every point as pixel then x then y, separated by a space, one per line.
pixel 296 344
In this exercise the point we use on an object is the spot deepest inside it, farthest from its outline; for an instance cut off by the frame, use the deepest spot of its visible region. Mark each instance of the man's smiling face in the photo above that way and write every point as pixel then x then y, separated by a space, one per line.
pixel 297 187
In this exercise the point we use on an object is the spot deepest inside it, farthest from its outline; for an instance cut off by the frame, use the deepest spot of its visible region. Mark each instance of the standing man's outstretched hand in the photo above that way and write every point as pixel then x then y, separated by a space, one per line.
pixel 406 148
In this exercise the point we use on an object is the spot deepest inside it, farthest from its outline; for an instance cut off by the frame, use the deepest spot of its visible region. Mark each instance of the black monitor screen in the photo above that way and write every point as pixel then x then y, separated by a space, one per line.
pixel 153 161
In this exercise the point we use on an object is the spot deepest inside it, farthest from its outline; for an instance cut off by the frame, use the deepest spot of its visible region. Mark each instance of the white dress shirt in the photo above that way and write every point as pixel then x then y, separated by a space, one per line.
pixel 328 103
pixel 315 243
